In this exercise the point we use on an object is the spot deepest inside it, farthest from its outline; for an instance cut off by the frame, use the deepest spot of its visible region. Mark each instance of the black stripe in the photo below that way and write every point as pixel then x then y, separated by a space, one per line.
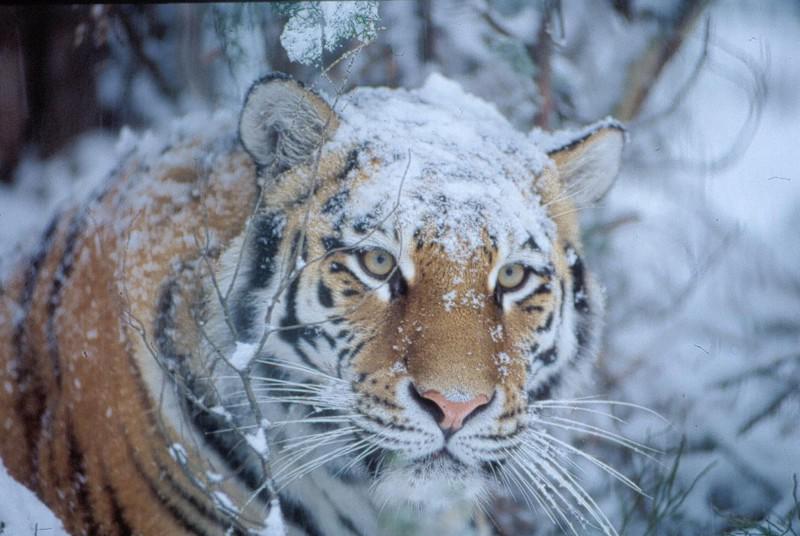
pixel 164 324
pixel 29 285
pixel 530 243
pixel 357 348
pixel 544 391
pixel 351 352
pixel 30 402
pixel 243 313
pixel 227 444
pixel 77 466
pixel 210 514
pixel 62 275
pixel 293 331
pixel 304 357
pixel 330 243
pixel 267 239
pixel 544 288
pixel 343 519
pixel 167 500
pixel 336 202
pixel 324 294
pixel 296 514
pixel 545 272
pixel 362 226
pixel 349 165
pixel 579 285
pixel 337 267
pixel 117 513
pixel 163 498
pixel 328 337
pixel 397 285
pixel 548 323
pixel 548 356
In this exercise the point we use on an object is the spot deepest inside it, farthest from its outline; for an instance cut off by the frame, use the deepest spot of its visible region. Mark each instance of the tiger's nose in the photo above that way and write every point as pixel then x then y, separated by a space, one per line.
pixel 449 414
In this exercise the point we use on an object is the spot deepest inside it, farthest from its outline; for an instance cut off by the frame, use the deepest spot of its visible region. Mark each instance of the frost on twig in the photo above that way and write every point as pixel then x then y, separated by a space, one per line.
pixel 314 27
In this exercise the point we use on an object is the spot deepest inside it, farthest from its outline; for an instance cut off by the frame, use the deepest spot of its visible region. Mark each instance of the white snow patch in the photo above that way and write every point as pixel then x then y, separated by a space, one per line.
pixel 315 26
pixel 496 333
pixel 243 354
pixel 502 360
pixel 225 501
pixel 449 300
pixel 178 453
pixel 473 299
pixel 274 525
pixel 21 512
pixel 258 442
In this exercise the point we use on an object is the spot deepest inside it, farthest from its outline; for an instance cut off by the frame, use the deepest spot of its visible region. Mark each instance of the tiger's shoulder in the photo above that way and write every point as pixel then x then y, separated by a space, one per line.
pixel 86 422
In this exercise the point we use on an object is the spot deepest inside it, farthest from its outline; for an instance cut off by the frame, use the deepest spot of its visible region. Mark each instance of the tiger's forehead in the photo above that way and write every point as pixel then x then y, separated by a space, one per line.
pixel 442 159
pixel 464 220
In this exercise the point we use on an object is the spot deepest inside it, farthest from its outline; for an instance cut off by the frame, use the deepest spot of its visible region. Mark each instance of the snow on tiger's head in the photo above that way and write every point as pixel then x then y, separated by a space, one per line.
pixel 441 262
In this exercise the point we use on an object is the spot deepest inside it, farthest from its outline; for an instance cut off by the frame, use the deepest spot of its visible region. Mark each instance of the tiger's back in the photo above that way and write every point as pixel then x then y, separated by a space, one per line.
pixel 79 425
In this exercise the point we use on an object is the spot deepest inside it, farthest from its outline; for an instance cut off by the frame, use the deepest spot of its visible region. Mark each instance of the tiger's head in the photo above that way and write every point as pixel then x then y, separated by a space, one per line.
pixel 411 286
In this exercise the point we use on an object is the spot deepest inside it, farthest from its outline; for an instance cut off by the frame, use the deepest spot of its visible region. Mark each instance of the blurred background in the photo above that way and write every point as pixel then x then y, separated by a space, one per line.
pixel 697 245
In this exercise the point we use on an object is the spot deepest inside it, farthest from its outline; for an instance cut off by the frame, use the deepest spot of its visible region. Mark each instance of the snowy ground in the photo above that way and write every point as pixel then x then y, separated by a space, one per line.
pixel 21 512
pixel 700 260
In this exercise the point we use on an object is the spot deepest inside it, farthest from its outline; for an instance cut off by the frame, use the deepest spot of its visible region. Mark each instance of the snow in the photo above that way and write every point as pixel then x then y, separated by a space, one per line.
pixel 258 442
pixel 21 512
pixel 274 525
pixel 225 501
pixel 314 26
pixel 464 166
pixel 243 354
pixel 178 453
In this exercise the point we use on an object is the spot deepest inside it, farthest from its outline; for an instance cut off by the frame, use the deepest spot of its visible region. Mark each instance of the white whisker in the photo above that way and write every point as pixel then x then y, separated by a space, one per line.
pixel 568 482
pixel 597 401
pixel 577 426
pixel 544 437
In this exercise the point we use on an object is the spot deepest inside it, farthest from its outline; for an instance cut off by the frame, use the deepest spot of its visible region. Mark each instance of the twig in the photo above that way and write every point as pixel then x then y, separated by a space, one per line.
pixel 644 72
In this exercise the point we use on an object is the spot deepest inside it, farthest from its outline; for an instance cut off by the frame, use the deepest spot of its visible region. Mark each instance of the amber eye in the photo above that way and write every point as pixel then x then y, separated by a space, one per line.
pixel 512 276
pixel 377 262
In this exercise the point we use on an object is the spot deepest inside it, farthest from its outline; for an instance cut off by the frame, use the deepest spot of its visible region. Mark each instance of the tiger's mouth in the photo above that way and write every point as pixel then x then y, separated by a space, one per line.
pixel 441 456
pixel 433 481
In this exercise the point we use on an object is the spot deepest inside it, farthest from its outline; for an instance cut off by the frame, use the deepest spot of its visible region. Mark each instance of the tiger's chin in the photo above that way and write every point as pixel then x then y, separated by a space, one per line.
pixel 433 483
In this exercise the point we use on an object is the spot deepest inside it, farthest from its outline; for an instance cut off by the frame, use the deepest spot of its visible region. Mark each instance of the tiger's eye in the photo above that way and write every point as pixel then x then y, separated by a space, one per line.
pixel 511 276
pixel 377 262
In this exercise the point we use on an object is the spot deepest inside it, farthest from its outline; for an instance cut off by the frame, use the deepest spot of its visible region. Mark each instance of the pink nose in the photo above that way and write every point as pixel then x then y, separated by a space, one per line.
pixel 454 413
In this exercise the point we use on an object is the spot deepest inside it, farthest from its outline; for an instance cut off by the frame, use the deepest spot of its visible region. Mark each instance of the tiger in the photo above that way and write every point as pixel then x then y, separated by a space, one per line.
pixel 313 316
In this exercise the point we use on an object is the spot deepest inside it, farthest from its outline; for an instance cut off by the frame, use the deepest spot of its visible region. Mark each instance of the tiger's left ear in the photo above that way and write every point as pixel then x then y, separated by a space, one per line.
pixel 283 124
pixel 589 162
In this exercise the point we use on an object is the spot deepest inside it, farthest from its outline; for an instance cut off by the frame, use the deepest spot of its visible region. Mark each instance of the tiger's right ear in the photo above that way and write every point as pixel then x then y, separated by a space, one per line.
pixel 588 160
pixel 283 124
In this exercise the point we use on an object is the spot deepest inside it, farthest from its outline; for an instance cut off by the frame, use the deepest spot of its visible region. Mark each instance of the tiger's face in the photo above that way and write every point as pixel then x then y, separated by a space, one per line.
pixel 426 293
